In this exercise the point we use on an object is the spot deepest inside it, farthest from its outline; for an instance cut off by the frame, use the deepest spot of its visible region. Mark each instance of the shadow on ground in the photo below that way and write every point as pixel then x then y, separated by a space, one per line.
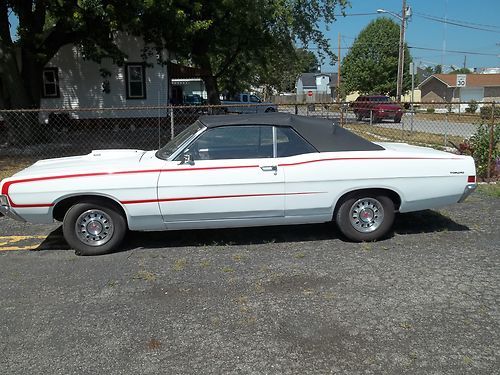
pixel 411 223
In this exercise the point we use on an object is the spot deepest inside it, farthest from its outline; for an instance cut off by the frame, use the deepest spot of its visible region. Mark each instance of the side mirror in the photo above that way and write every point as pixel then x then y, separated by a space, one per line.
pixel 187 158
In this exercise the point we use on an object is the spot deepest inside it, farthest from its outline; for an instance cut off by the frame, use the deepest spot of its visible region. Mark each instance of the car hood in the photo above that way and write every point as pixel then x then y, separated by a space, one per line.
pixel 96 161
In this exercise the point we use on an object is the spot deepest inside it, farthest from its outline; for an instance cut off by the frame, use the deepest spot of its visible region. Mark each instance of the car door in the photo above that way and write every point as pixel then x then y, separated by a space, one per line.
pixel 229 173
pixel 306 193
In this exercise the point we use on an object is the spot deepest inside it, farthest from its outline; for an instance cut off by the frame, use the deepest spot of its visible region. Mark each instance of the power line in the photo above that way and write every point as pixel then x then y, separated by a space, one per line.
pixel 453 51
pixel 449 22
pixel 459 21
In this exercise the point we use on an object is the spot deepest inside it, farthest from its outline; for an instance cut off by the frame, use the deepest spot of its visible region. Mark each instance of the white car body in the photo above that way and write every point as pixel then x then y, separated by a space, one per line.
pixel 157 194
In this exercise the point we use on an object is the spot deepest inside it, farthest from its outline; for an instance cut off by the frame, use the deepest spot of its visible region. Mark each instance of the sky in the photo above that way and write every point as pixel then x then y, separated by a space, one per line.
pixel 424 33
pixel 482 46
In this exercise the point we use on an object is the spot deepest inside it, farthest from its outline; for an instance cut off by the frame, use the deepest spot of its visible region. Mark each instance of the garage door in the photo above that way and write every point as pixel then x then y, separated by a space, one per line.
pixel 468 93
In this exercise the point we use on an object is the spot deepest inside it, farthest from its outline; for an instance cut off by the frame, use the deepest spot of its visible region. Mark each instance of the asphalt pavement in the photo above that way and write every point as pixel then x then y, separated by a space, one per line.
pixel 281 300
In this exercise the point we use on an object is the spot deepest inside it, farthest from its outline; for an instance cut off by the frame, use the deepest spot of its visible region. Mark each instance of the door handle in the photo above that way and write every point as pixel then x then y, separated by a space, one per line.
pixel 270 168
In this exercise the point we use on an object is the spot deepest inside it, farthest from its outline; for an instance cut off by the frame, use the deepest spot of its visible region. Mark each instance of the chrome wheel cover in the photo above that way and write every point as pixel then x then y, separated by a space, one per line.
pixel 94 227
pixel 366 215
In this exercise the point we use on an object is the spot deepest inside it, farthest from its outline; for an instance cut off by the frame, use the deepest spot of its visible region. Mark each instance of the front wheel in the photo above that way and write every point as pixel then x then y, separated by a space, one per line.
pixel 94 228
pixel 365 217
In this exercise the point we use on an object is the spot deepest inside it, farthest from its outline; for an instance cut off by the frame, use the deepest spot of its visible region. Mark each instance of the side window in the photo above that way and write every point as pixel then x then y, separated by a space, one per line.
pixel 289 143
pixel 50 84
pixel 244 98
pixel 254 99
pixel 233 142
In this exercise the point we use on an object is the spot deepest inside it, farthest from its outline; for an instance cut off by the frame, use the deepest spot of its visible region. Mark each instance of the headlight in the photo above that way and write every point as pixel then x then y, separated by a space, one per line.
pixel 3 200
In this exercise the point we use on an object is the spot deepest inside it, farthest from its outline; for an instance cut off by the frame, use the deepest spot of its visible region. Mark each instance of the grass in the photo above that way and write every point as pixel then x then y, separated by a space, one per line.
pixel 12 165
pixel 465 118
pixel 492 190
pixel 180 264
pixel 380 134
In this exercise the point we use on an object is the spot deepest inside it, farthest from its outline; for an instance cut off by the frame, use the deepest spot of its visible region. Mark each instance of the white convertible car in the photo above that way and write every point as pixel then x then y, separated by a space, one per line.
pixel 237 171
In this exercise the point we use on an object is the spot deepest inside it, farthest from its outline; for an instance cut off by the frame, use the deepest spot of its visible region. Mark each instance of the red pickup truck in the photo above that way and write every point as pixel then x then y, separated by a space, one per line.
pixel 377 107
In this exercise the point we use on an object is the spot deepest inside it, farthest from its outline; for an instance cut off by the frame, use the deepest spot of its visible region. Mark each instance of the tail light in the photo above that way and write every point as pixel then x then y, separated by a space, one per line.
pixel 471 179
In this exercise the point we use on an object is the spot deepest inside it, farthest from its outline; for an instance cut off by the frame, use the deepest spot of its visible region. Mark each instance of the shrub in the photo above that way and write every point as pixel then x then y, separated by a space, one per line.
pixel 486 111
pixel 479 145
pixel 431 110
pixel 472 108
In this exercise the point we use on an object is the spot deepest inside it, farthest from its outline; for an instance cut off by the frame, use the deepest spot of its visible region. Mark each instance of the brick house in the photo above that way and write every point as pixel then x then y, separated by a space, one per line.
pixel 478 87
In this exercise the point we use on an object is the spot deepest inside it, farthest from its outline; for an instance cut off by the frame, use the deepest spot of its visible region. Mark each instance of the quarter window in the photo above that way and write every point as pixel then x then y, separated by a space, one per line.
pixel 50 83
pixel 233 142
pixel 135 78
pixel 289 143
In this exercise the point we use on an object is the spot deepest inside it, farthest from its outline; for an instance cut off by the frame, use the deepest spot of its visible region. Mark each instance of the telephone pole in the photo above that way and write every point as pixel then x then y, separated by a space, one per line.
pixel 401 55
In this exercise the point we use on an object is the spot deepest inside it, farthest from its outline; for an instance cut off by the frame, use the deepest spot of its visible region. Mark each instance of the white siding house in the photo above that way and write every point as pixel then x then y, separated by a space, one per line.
pixel 72 82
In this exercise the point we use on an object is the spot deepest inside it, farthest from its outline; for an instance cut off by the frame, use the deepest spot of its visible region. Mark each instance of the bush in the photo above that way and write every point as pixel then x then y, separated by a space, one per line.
pixel 431 110
pixel 487 110
pixel 479 145
pixel 472 108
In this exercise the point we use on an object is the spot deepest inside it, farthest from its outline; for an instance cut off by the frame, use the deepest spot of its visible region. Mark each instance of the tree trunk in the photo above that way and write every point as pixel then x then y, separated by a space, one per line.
pixel 201 58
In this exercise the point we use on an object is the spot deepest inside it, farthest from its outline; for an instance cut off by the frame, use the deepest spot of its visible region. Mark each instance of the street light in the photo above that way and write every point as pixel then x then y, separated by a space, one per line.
pixel 401 54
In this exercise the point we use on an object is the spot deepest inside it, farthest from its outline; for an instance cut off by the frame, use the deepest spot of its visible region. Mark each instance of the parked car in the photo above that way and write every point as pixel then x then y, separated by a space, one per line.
pixel 236 171
pixel 247 103
pixel 378 107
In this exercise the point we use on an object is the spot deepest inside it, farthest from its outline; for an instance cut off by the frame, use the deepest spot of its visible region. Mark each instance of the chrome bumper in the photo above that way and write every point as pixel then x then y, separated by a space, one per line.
pixel 6 210
pixel 469 189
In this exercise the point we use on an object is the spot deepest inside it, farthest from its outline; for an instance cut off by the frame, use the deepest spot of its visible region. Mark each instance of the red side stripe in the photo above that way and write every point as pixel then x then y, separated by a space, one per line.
pixel 213 197
pixel 379 158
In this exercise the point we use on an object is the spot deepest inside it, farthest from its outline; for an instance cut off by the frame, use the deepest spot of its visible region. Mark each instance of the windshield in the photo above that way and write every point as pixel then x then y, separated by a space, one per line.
pixel 166 151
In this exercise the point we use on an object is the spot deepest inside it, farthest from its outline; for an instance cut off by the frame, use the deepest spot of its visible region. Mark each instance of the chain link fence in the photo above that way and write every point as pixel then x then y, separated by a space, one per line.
pixel 455 127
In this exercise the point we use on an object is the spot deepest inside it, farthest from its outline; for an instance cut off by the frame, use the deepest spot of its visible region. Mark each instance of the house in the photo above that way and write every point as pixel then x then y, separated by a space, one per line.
pixel 70 81
pixel 454 88
pixel 317 86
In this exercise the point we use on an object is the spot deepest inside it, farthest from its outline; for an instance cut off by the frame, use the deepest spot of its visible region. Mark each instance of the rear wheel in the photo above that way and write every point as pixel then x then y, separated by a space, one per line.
pixel 359 116
pixel 397 119
pixel 365 217
pixel 270 109
pixel 94 228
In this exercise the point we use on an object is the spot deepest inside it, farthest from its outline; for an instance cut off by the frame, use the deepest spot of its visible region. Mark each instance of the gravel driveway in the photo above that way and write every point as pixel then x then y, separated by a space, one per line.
pixel 283 300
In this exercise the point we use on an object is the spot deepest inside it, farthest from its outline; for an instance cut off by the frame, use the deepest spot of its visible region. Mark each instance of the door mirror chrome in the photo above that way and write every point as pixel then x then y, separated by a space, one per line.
pixel 187 158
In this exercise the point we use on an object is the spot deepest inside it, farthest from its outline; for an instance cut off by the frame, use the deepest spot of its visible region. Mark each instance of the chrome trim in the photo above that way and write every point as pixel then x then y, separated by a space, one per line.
pixel 469 189
pixel 6 210
pixel 275 142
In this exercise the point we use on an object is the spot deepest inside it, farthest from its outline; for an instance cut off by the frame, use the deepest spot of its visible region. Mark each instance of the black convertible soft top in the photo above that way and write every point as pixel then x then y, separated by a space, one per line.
pixel 323 134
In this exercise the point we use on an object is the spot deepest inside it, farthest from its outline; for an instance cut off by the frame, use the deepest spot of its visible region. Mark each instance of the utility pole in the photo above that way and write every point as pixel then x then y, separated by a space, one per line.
pixel 401 57
pixel 338 71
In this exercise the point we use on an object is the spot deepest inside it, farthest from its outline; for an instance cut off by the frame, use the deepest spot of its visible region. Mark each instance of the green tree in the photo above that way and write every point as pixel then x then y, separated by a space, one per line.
pixel 239 43
pixel 280 75
pixel 371 65
pixel 461 71
pixel 230 40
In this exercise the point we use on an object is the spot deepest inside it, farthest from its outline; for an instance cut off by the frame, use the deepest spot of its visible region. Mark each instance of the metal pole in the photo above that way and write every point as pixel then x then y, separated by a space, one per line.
pixel 399 82
pixel 338 72
pixel 172 130
pixel 412 68
pixel 490 150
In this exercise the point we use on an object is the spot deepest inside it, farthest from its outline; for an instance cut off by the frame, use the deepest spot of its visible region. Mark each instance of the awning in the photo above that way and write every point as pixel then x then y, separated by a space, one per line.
pixel 177 71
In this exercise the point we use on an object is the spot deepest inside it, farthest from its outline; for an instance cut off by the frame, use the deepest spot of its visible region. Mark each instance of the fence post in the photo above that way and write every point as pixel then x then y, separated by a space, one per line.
pixel 172 130
pixel 446 127
pixel 490 150
pixel 296 109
